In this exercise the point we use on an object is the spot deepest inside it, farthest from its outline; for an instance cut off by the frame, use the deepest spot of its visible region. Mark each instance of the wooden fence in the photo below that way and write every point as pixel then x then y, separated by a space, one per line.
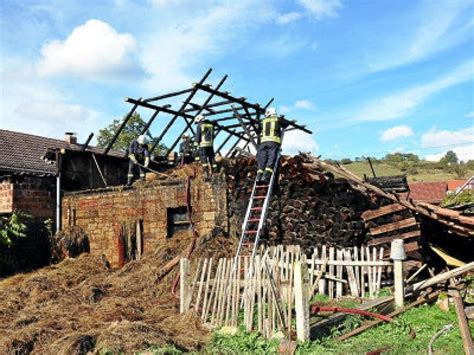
pixel 263 293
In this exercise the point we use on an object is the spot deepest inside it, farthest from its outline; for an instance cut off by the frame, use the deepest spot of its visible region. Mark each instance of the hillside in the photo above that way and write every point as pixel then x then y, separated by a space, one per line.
pixel 415 171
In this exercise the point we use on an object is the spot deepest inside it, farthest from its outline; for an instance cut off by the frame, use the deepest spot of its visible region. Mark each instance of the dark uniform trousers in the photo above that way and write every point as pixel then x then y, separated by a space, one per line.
pixel 266 156
pixel 135 170
pixel 206 155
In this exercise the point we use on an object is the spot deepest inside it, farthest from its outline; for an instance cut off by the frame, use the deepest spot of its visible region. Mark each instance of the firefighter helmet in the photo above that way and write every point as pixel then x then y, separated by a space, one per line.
pixel 271 111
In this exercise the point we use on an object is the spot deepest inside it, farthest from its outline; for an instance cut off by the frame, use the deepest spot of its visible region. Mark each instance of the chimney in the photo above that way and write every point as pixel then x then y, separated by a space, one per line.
pixel 70 138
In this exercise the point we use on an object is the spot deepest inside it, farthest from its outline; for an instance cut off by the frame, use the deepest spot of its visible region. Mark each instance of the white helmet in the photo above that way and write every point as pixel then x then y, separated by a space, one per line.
pixel 185 136
pixel 141 139
pixel 271 111
pixel 199 118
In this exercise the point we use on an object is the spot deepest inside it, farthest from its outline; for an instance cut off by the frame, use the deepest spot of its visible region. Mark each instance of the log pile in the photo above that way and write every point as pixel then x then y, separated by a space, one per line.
pixel 309 207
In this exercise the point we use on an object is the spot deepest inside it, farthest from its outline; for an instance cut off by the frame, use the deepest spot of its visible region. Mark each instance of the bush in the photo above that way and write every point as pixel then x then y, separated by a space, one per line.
pixel 346 161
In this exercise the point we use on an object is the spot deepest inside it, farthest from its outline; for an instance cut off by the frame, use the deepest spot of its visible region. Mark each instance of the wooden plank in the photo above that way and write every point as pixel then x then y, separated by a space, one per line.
pixel 390 227
pixel 351 275
pixel 201 286
pixel 385 240
pixel 207 296
pixel 382 211
pixel 301 301
pixel 440 278
pixel 339 269
pixel 331 272
pixel 184 284
pixel 462 321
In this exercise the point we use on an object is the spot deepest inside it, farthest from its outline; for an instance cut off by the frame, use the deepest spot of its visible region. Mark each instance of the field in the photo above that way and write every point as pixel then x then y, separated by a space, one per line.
pixel 421 171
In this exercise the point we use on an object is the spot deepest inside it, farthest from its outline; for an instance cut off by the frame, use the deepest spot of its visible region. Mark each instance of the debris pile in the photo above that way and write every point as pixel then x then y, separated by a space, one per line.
pixel 80 305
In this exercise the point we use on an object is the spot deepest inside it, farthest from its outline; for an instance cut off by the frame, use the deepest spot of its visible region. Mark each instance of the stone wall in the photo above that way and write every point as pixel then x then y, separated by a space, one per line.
pixel 103 214
pixel 32 195
pixel 6 197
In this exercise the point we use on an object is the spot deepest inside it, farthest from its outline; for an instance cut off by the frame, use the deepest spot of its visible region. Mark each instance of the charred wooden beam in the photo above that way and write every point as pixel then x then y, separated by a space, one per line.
pixel 183 106
pixel 245 128
pixel 172 94
pixel 86 144
pixel 244 103
pixel 122 126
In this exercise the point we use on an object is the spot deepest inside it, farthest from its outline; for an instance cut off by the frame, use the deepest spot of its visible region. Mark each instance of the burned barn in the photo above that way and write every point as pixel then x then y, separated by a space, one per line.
pixel 312 203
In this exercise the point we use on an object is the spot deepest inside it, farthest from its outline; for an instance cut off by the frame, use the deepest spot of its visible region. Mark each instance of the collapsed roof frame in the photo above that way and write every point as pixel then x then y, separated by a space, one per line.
pixel 246 114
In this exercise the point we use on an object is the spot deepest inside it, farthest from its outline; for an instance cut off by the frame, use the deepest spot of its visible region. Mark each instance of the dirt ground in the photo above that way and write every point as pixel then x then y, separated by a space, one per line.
pixel 81 306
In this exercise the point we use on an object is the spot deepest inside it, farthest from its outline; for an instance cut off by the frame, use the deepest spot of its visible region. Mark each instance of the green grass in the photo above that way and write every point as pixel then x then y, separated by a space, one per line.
pixel 425 171
pixel 423 322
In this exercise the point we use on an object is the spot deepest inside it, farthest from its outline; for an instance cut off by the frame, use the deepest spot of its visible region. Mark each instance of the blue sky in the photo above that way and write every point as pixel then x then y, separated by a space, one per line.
pixel 368 77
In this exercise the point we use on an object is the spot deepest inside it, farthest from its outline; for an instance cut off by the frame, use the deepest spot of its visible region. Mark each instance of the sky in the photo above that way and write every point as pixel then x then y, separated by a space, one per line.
pixel 368 77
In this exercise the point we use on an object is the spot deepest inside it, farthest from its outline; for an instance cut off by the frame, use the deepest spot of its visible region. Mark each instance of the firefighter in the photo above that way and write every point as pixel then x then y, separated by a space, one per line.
pixel 186 150
pixel 270 137
pixel 205 142
pixel 139 156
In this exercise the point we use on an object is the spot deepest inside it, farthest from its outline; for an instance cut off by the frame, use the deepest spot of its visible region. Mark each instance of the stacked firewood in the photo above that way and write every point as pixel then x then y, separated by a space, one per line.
pixel 308 207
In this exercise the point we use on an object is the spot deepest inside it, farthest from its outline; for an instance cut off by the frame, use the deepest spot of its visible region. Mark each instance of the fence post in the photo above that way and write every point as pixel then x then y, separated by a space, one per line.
pixel 397 254
pixel 184 284
pixel 301 299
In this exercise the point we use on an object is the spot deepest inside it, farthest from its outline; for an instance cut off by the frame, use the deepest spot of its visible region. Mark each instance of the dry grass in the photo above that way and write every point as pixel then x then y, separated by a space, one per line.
pixel 80 305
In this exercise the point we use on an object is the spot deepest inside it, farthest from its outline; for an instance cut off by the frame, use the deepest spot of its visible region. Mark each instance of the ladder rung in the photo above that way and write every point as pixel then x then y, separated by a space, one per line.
pixel 256 208
pixel 262 186
pixel 251 232
pixel 254 220
pixel 259 197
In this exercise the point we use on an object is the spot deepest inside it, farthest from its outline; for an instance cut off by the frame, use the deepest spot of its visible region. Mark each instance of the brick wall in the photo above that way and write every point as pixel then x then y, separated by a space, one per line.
pixel 101 214
pixel 6 197
pixel 36 196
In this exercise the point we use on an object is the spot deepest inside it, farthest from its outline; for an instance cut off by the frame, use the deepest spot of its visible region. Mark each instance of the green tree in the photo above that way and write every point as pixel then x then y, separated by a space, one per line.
pixel 346 161
pixel 449 158
pixel 131 131
pixel 460 170
pixel 12 228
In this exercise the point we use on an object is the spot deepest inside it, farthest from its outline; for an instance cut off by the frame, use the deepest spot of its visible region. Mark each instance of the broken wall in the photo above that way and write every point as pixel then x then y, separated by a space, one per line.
pixel 158 209
pixel 29 194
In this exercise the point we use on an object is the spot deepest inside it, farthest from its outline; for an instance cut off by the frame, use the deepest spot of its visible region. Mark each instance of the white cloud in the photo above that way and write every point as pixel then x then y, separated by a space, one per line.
pixel 470 114
pixel 464 153
pixel 396 133
pixel 441 138
pixel 172 51
pixel 321 8
pixel 297 105
pixel 298 141
pixel 305 105
pixel 460 141
pixel 93 50
pixel 400 104
pixel 30 104
pixel 286 18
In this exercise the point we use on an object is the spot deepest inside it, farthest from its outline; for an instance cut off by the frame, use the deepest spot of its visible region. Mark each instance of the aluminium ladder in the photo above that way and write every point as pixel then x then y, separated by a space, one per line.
pixel 255 216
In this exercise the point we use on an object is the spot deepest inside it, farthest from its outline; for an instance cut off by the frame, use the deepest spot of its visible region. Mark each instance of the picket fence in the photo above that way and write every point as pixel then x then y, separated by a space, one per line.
pixel 263 292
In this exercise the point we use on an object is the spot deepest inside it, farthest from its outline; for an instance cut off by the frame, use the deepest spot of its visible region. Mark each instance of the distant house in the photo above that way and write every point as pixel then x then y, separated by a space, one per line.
pixel 433 192
pixel 34 170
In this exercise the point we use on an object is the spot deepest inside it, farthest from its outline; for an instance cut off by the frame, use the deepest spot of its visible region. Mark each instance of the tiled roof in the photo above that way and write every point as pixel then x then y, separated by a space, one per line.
pixel 21 152
pixel 432 192
pixel 453 185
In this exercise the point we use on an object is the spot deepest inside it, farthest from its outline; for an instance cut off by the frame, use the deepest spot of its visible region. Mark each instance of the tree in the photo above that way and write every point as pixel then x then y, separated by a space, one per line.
pixel 12 228
pixel 131 131
pixel 346 161
pixel 449 158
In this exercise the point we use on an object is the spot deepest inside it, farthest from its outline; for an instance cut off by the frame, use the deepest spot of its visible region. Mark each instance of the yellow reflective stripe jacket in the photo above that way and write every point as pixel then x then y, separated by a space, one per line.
pixel 271 130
